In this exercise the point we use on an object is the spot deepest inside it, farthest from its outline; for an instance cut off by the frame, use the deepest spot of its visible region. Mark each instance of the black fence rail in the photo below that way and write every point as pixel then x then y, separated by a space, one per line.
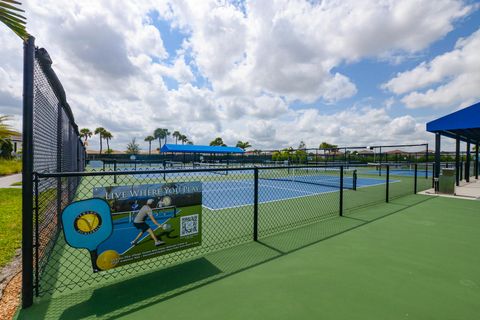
pixel 51 144
pixel 240 205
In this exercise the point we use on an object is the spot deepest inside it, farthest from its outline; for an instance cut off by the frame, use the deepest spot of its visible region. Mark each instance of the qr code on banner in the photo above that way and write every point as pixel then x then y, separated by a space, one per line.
pixel 188 225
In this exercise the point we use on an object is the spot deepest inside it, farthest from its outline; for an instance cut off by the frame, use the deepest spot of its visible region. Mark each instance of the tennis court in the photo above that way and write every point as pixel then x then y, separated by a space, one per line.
pixel 415 257
pixel 402 172
pixel 216 193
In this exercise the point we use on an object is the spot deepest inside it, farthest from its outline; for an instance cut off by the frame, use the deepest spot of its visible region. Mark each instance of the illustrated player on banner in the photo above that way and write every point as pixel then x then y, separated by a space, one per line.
pixel 140 223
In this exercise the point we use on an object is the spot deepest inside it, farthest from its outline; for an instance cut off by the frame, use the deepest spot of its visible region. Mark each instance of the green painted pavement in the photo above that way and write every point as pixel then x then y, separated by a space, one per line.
pixel 415 258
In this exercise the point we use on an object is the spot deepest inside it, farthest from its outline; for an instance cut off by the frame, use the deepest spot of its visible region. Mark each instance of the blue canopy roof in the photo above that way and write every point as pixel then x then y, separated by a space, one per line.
pixel 190 148
pixel 463 124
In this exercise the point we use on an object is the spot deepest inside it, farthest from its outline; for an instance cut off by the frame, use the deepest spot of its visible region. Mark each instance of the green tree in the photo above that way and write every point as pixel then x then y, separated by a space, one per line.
pixel 160 133
pixel 6 148
pixel 149 139
pixel 100 131
pixel 326 145
pixel 217 142
pixel 133 147
pixel 107 135
pixel 176 135
pixel 276 156
pixel 9 16
pixel 6 131
pixel 167 133
pixel 301 154
pixel 183 138
pixel 244 145
pixel 85 133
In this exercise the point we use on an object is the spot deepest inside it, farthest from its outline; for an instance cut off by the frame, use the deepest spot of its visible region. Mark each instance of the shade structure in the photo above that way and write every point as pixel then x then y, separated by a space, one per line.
pixel 463 124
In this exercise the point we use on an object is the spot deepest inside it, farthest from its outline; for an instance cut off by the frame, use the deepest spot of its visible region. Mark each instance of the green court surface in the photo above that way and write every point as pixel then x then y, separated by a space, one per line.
pixel 413 258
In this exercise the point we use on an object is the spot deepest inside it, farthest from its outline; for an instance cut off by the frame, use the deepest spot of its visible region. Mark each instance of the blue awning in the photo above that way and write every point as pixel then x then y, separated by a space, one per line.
pixel 190 148
pixel 463 124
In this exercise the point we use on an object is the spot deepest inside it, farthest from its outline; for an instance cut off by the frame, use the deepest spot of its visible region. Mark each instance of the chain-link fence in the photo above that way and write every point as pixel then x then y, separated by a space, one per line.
pixel 240 205
pixel 51 144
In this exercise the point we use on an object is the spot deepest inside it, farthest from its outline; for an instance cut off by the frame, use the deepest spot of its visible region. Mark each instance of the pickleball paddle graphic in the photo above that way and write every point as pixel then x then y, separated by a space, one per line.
pixel 86 224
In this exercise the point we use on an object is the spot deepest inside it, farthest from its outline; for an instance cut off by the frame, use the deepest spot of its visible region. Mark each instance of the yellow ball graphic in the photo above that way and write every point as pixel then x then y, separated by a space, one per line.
pixel 87 222
pixel 108 259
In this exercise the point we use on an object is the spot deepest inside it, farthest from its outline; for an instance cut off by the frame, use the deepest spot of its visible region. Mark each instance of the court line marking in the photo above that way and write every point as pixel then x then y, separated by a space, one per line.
pixel 297 197
pixel 269 201
pixel 260 184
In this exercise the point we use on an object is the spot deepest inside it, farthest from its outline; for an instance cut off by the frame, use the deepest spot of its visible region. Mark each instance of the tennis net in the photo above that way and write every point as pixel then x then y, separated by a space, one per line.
pixel 329 177
pixel 271 163
pixel 222 167
pixel 174 165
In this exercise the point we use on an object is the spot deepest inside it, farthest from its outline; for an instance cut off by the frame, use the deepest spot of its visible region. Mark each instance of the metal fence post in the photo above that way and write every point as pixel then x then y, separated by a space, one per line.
pixel 415 182
pixel 433 176
pixel 355 179
pixel 59 158
pixel 467 163
pixel 341 191
pixel 27 173
pixel 255 204
pixel 387 180
pixel 37 238
pixel 457 162
pixel 476 160
pixel 461 170
pixel 115 170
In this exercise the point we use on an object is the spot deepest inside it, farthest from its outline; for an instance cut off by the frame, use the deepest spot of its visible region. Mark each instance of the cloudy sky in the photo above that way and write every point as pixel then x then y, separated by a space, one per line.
pixel 273 73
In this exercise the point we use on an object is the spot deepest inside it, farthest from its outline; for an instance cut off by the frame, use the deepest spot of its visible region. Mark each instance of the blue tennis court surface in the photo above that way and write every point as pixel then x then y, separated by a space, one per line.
pixel 124 232
pixel 219 195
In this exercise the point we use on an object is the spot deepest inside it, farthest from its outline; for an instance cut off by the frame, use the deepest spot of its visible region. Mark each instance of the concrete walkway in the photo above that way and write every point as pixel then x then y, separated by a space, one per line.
pixel 7 181
pixel 466 190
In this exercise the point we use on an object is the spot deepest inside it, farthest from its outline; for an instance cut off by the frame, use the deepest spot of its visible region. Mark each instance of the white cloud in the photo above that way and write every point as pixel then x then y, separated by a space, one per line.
pixel 289 48
pixel 257 62
pixel 451 79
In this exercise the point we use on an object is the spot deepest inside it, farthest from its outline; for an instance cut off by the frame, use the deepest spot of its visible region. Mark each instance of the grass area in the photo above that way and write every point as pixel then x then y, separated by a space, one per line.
pixel 10 166
pixel 10 223
pixel 16 184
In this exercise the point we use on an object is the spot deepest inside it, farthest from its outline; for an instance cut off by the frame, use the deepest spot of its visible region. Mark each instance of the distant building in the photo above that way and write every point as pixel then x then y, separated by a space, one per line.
pixel 17 143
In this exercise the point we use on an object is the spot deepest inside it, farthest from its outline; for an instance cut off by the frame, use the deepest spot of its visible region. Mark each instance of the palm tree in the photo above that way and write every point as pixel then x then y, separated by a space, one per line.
pixel 85 133
pixel 243 145
pixel 133 147
pixel 10 17
pixel 100 131
pixel 217 142
pixel 149 139
pixel 189 142
pixel 107 136
pixel 176 135
pixel 159 134
pixel 5 129
pixel 183 138
pixel 167 133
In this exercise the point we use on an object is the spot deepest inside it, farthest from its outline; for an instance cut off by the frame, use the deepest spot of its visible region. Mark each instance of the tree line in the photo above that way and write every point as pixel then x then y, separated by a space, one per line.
pixel 103 134
pixel 162 134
